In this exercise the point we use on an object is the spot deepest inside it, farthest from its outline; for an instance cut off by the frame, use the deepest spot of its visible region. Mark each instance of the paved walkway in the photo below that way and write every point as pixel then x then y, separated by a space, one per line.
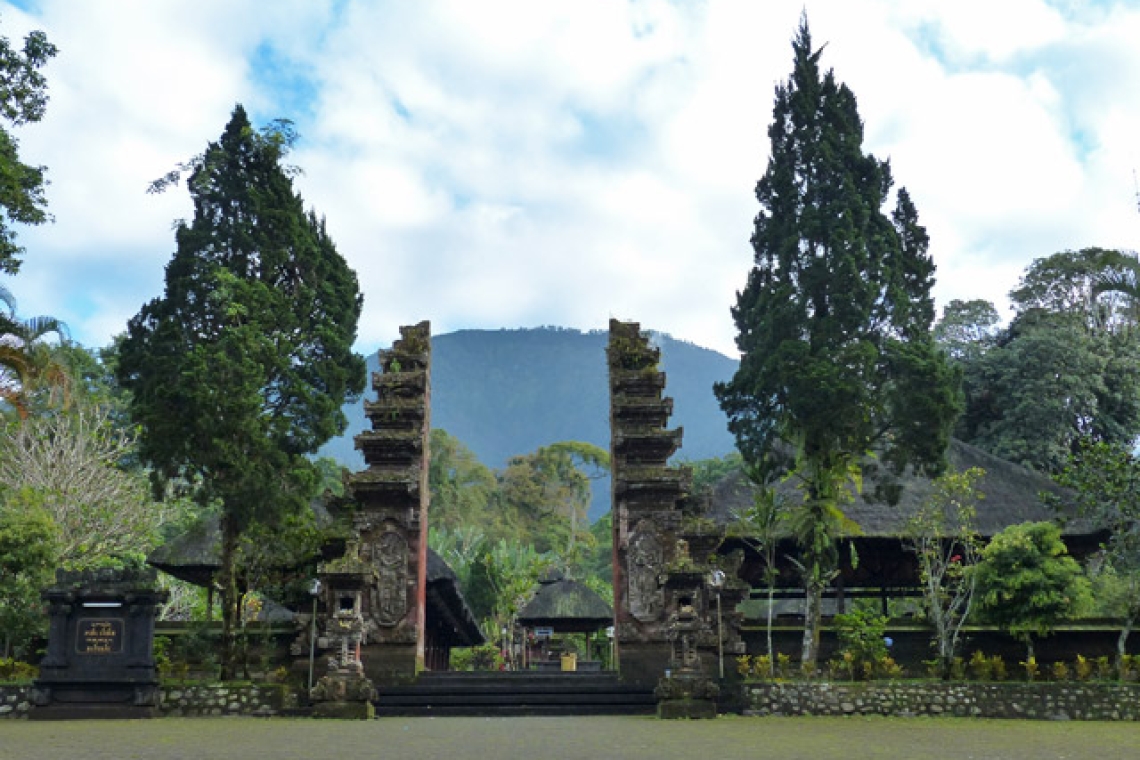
pixel 607 738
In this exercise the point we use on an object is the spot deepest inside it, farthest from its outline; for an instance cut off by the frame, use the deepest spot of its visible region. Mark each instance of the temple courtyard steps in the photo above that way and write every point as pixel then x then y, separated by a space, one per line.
pixel 489 693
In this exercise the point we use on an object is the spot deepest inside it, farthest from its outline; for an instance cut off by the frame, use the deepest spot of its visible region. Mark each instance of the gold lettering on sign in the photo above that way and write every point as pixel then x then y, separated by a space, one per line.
pixel 99 636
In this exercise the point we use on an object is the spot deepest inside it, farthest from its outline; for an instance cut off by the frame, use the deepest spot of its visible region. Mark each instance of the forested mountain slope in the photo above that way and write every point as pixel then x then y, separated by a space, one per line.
pixel 508 392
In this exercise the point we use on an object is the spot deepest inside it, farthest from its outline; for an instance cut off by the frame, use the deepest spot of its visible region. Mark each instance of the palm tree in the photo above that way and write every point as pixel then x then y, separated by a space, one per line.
pixel 1120 273
pixel 28 365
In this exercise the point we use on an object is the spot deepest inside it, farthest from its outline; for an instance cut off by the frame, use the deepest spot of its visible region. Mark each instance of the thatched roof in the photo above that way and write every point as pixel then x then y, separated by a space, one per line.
pixel 447 604
pixel 196 555
pixel 193 556
pixel 566 606
pixel 1011 496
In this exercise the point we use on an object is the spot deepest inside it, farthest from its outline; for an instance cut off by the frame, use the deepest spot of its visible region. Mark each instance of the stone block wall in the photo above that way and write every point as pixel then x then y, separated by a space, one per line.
pixel 15 701
pixel 190 700
pixel 1039 701
pixel 223 699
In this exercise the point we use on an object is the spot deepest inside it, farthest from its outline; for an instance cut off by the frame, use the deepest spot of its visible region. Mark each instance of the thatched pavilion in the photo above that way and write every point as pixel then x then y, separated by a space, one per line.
pixel 195 557
pixel 566 606
pixel 881 566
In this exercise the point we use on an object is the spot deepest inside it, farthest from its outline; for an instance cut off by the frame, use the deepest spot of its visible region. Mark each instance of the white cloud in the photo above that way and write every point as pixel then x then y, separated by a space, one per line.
pixel 499 164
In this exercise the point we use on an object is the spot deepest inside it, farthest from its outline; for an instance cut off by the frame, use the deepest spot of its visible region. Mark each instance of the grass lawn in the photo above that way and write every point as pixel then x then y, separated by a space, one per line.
pixel 600 737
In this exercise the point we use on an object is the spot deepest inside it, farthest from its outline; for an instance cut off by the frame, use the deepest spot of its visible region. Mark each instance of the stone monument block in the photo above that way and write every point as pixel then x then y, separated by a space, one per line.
pixel 100 654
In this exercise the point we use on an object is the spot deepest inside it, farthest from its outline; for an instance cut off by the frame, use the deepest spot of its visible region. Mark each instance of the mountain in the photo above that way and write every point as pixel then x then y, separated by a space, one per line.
pixel 508 392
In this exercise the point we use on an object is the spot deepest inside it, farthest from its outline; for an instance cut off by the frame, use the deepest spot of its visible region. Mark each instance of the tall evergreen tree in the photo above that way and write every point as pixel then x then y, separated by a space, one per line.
pixel 240 370
pixel 834 322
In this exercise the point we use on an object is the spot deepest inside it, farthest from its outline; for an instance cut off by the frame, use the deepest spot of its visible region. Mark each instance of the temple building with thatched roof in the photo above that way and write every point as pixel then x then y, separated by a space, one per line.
pixel 873 559
pixel 195 557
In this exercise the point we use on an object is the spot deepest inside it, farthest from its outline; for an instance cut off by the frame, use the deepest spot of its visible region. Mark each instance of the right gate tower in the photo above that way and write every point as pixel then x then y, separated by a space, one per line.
pixel 664 551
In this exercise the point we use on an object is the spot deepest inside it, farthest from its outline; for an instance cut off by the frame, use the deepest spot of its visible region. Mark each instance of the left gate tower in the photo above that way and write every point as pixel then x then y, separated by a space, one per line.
pixel 391 498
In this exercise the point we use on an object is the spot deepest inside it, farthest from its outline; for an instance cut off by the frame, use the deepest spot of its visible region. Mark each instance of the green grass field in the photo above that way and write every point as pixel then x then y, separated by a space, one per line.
pixel 541 738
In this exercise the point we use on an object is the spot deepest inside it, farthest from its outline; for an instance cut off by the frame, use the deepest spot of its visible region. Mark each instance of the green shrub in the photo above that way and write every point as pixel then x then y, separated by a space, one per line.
pixel 981 667
pixel 483 657
pixel 862 642
pixel 1083 668
pixel 15 670
pixel 998 669
pixel 1032 669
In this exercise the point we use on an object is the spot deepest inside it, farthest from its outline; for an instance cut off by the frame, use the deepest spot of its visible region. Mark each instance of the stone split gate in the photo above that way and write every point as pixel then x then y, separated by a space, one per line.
pixel 664 550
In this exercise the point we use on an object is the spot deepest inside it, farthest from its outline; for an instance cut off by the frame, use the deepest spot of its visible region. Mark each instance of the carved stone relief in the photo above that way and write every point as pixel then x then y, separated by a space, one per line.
pixel 645 561
pixel 390 595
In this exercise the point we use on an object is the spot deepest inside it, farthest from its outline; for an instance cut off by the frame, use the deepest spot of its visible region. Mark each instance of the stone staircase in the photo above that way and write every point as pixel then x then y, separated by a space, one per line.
pixel 514 693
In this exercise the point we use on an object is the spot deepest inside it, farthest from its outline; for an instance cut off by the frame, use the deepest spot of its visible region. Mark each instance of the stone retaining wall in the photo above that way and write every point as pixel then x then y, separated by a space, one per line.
pixel 1042 701
pixel 189 700
pixel 15 701
pixel 223 699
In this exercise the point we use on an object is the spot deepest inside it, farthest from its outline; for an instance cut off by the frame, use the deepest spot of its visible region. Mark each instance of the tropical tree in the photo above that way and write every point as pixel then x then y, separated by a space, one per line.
pixel 967 329
pixel 461 486
pixel 945 541
pixel 1066 368
pixel 1104 482
pixel 460 548
pixel 71 467
pixel 546 495
pixel 763 526
pixel 1122 275
pixel 503 580
pixel 1027 582
pixel 28 557
pixel 834 322
pixel 23 98
pixel 1090 282
pixel 30 367
pixel 708 472
pixel 239 372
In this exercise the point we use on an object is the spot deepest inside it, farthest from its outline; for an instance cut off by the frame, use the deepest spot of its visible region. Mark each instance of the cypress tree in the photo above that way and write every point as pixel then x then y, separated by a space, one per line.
pixel 834 322
pixel 240 370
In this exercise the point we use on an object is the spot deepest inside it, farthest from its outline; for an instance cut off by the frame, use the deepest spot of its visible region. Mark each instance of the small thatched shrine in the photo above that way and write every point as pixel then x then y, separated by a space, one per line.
pixel 566 606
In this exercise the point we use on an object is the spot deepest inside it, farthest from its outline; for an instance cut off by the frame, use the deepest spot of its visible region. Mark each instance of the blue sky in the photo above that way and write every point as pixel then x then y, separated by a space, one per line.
pixel 510 164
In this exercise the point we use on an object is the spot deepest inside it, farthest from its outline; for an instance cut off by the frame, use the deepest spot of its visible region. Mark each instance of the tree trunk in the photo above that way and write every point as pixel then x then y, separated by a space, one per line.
pixel 809 652
pixel 230 599
pixel 771 649
pixel 1122 645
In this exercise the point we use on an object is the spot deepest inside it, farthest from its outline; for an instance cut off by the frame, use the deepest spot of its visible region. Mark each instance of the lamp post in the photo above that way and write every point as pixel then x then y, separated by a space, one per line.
pixel 716 582
pixel 314 591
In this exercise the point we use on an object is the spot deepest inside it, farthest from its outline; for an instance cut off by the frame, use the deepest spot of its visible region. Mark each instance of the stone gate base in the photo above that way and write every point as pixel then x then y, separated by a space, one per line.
pixel 643 663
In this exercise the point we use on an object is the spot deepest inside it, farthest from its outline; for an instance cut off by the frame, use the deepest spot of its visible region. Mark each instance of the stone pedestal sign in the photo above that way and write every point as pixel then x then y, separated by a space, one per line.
pixel 100 654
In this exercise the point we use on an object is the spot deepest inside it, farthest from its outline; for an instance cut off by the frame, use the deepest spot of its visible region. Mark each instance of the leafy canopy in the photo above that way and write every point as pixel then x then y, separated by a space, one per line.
pixel 1066 368
pixel 1027 582
pixel 241 369
pixel 834 322
pixel 23 98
